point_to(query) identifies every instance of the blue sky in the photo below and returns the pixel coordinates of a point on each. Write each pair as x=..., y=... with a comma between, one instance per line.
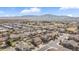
x=19, y=11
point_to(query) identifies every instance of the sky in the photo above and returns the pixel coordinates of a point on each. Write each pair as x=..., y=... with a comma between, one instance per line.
x=21, y=11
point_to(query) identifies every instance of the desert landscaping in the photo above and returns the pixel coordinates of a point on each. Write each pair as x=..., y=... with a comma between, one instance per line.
x=28, y=35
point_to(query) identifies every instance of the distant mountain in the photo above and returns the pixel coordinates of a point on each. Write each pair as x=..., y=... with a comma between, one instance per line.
x=49, y=17
x=46, y=17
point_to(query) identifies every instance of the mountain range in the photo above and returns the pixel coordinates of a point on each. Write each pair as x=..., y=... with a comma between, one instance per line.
x=46, y=17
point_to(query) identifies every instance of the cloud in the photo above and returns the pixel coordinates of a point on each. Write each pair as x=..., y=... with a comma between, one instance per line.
x=7, y=15
x=67, y=8
x=30, y=11
x=70, y=15
x=64, y=8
